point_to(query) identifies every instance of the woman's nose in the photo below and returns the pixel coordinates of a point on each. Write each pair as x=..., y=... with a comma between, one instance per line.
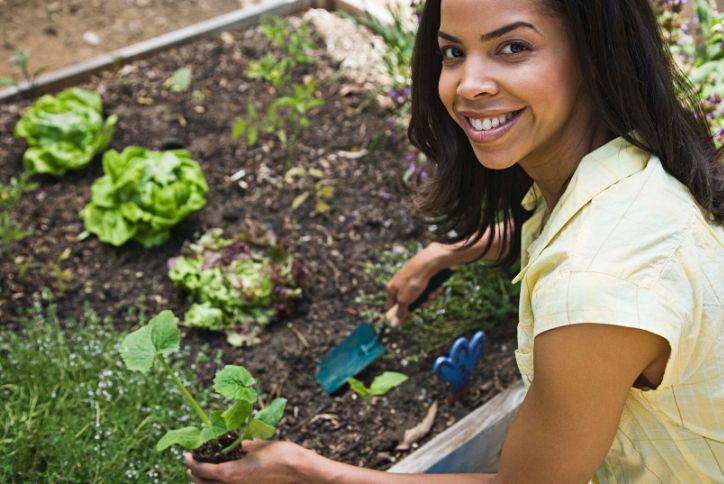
x=476, y=80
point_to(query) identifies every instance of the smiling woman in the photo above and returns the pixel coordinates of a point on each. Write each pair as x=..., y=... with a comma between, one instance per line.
x=563, y=136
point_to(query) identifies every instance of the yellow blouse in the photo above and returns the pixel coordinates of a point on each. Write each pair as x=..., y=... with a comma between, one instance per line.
x=627, y=245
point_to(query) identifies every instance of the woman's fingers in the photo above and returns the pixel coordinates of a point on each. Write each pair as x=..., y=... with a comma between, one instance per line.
x=202, y=472
x=198, y=480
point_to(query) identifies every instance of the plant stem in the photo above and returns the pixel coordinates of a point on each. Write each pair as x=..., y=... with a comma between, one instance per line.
x=233, y=445
x=197, y=408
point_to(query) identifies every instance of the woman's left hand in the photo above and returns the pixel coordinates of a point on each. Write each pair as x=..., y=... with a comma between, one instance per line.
x=265, y=461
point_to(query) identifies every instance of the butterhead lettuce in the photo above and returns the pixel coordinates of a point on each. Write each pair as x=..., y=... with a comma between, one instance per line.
x=143, y=194
x=64, y=132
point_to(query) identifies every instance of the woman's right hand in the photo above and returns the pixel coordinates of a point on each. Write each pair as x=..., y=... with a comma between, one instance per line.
x=411, y=280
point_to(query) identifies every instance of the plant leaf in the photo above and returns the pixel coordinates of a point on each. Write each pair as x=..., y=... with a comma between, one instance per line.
x=216, y=429
x=299, y=200
x=272, y=414
x=358, y=387
x=234, y=381
x=137, y=350
x=187, y=437
x=386, y=382
x=165, y=334
x=235, y=415
x=259, y=429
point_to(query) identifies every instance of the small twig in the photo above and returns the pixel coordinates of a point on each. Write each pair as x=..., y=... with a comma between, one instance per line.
x=298, y=334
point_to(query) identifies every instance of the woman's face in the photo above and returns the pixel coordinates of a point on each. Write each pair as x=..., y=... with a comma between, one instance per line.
x=509, y=79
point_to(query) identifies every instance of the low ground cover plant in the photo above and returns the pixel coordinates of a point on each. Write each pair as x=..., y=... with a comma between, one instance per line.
x=71, y=412
x=160, y=337
x=143, y=194
x=64, y=132
x=238, y=284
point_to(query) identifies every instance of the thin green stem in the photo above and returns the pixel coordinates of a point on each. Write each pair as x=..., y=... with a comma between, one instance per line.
x=234, y=444
x=197, y=408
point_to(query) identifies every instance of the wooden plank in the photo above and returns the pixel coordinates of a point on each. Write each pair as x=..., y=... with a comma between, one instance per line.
x=470, y=445
x=75, y=73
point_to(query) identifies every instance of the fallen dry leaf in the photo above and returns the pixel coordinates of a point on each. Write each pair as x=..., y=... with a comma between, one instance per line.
x=420, y=430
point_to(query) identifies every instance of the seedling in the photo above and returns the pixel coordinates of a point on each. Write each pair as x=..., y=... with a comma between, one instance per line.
x=380, y=386
x=322, y=190
x=160, y=337
x=179, y=81
x=10, y=194
x=287, y=115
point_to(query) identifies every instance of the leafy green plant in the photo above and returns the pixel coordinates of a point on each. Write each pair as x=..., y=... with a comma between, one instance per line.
x=160, y=337
x=237, y=285
x=71, y=412
x=64, y=132
x=380, y=386
x=10, y=194
x=475, y=297
x=21, y=60
x=143, y=194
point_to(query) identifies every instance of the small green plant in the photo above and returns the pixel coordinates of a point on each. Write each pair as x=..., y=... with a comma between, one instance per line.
x=238, y=285
x=21, y=60
x=321, y=189
x=143, y=194
x=64, y=132
x=160, y=337
x=380, y=386
x=287, y=115
x=10, y=194
x=180, y=80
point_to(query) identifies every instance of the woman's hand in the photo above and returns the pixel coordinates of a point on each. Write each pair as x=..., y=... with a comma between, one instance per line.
x=265, y=462
x=410, y=281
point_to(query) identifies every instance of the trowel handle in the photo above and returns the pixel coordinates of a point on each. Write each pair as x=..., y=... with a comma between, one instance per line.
x=435, y=281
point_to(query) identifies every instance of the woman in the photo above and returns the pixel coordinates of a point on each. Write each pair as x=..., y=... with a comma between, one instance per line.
x=570, y=109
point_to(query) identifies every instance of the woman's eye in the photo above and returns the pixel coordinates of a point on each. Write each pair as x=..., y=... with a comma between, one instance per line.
x=514, y=48
x=450, y=52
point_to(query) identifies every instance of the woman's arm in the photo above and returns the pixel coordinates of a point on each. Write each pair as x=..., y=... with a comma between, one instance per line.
x=565, y=426
x=410, y=281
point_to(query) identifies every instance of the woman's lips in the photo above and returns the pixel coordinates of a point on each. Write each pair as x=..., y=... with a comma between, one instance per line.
x=494, y=133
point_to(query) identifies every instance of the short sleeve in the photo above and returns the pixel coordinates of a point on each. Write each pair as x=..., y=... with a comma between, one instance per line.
x=590, y=297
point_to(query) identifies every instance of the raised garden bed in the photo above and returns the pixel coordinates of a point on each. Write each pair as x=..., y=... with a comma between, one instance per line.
x=370, y=213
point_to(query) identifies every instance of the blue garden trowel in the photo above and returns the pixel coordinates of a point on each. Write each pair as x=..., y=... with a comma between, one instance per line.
x=362, y=346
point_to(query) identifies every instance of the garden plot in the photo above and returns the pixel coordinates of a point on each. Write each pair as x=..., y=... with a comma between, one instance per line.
x=348, y=145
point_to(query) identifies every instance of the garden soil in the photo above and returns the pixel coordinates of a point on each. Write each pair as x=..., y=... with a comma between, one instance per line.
x=350, y=141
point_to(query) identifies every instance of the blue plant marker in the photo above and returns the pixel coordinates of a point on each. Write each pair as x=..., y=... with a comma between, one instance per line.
x=456, y=368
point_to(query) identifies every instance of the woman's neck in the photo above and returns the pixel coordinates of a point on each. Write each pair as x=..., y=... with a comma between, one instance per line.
x=554, y=170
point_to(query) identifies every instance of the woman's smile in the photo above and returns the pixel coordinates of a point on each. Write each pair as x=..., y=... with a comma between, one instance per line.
x=487, y=127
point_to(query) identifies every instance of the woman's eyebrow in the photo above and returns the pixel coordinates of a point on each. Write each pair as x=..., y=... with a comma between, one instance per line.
x=490, y=35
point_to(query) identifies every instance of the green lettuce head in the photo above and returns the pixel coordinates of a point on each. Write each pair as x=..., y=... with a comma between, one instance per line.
x=143, y=194
x=64, y=132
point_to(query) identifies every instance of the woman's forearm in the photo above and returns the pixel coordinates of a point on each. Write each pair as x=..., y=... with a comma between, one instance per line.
x=448, y=255
x=330, y=471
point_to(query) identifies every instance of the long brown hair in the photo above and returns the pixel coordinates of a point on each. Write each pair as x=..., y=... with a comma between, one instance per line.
x=635, y=86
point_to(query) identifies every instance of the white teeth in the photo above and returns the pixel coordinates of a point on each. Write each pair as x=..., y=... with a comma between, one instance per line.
x=490, y=123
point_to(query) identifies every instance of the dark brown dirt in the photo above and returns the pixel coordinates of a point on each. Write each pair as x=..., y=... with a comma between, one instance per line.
x=212, y=451
x=370, y=213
